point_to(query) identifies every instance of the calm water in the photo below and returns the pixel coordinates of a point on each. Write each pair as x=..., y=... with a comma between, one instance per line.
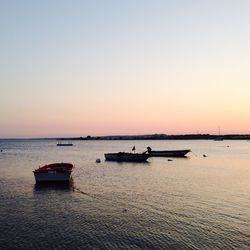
x=192, y=203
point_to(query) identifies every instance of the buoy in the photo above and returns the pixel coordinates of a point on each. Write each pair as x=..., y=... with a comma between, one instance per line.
x=204, y=156
x=98, y=160
x=170, y=160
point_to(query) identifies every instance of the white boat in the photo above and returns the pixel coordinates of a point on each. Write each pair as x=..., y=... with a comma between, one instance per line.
x=55, y=172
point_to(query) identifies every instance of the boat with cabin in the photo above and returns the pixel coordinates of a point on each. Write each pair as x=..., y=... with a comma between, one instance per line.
x=126, y=157
x=55, y=172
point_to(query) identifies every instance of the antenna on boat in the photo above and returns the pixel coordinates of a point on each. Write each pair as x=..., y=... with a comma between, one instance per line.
x=219, y=130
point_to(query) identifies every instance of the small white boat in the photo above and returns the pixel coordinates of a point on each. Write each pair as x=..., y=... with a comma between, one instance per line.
x=55, y=172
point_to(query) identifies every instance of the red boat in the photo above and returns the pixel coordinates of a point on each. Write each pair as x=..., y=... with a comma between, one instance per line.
x=54, y=172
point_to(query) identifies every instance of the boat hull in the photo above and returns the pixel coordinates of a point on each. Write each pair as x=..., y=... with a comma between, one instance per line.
x=169, y=153
x=55, y=172
x=64, y=144
x=52, y=177
x=126, y=157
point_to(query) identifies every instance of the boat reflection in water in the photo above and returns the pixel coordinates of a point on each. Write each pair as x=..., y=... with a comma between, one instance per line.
x=46, y=186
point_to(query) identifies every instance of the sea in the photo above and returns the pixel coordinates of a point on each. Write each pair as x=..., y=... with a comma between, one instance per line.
x=198, y=202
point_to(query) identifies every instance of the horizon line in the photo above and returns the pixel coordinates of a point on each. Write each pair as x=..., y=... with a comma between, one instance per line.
x=117, y=135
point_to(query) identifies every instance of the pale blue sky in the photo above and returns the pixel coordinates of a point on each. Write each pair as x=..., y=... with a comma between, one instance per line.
x=120, y=67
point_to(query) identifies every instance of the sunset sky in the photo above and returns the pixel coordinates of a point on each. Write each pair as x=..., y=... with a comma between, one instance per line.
x=77, y=68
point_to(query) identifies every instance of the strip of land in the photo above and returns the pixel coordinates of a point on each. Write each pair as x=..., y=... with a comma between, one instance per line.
x=146, y=137
x=164, y=137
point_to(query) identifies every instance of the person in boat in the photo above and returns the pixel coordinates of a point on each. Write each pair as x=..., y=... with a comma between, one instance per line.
x=149, y=150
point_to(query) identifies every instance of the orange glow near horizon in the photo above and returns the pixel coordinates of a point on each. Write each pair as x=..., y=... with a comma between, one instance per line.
x=178, y=73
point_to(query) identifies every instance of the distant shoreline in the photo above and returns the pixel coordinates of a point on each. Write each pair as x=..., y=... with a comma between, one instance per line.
x=145, y=137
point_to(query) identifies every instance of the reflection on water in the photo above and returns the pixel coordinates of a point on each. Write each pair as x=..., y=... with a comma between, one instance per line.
x=187, y=203
x=65, y=186
x=124, y=163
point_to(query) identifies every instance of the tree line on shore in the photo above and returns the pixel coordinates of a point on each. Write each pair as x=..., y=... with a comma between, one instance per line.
x=163, y=137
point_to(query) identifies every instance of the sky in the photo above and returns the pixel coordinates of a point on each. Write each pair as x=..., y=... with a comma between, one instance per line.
x=77, y=68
